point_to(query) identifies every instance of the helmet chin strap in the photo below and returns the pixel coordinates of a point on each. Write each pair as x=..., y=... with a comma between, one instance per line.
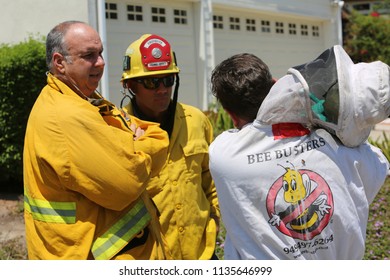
x=172, y=109
x=129, y=95
x=93, y=101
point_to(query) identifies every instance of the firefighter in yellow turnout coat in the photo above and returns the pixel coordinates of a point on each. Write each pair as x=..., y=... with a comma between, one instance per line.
x=85, y=176
x=183, y=191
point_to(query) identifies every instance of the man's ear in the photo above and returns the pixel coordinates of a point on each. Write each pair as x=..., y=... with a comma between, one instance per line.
x=131, y=84
x=58, y=62
x=127, y=83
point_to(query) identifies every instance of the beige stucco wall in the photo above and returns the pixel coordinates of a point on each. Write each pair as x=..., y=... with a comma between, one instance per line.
x=21, y=18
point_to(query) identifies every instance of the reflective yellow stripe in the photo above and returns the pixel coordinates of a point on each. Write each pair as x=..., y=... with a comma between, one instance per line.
x=114, y=239
x=51, y=212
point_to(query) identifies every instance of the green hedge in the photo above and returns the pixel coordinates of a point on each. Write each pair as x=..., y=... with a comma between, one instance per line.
x=367, y=38
x=219, y=119
x=22, y=76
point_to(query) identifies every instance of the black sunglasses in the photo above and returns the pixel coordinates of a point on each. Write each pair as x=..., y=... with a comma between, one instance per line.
x=153, y=83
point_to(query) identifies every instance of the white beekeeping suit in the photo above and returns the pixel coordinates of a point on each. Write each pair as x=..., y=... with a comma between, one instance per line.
x=332, y=92
x=297, y=182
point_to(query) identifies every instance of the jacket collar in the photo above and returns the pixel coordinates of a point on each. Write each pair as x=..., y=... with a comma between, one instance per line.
x=60, y=86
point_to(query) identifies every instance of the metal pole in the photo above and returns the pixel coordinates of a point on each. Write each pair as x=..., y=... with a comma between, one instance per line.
x=101, y=14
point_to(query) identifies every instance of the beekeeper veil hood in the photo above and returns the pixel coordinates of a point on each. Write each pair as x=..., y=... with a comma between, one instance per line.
x=331, y=92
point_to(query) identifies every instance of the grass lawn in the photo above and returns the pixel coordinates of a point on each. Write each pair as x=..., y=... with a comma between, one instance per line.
x=378, y=229
x=377, y=243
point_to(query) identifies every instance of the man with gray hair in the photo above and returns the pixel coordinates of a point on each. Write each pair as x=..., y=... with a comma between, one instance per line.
x=85, y=163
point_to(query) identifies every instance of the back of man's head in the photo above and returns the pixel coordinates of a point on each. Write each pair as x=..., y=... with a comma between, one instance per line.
x=240, y=83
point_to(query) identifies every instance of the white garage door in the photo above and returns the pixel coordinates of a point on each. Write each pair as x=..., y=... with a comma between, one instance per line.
x=128, y=20
x=279, y=41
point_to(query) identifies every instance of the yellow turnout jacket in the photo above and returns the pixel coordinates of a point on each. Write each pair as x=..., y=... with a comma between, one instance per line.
x=85, y=180
x=184, y=191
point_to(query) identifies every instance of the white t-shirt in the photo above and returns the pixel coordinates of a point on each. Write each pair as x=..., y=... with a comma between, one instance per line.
x=284, y=196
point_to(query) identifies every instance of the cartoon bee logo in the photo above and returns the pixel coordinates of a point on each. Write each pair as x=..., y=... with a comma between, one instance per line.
x=304, y=203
